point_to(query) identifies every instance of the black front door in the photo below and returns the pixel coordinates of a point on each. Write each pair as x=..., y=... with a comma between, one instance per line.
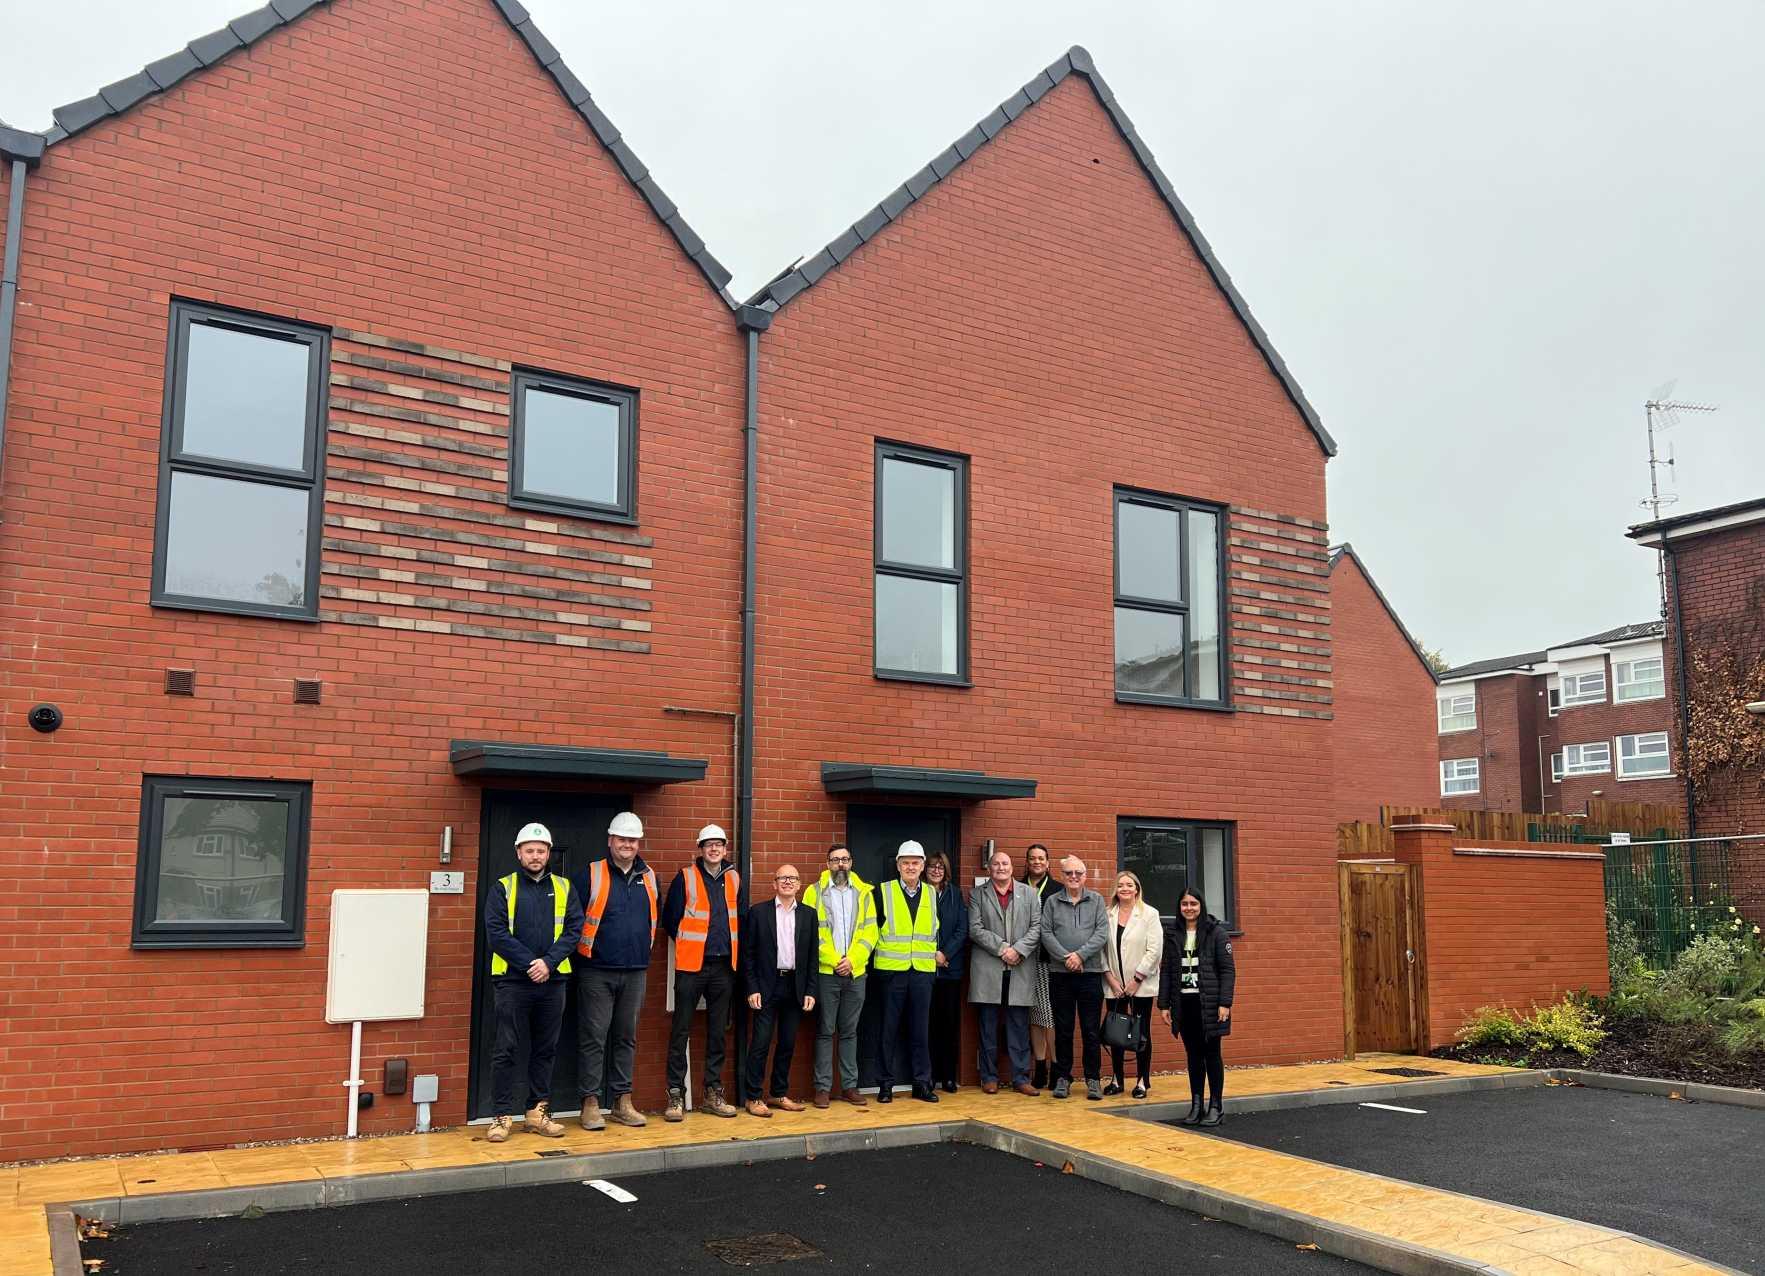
x=874, y=834
x=578, y=824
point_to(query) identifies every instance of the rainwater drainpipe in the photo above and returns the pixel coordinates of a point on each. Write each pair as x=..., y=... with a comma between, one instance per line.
x=24, y=150
x=752, y=321
x=1677, y=620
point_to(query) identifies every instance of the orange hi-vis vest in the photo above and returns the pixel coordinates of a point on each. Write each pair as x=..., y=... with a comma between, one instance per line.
x=695, y=921
x=599, y=888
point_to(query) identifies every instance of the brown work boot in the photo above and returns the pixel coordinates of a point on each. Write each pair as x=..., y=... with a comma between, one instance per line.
x=716, y=1104
x=855, y=1099
x=539, y=1121
x=822, y=1098
x=625, y=1112
x=676, y=1109
x=784, y=1103
x=499, y=1130
x=989, y=1087
x=1026, y=1089
x=758, y=1108
x=591, y=1118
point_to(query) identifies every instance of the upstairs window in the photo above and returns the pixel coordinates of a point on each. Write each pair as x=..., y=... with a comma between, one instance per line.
x=1643, y=756
x=1640, y=679
x=1459, y=776
x=921, y=565
x=1457, y=712
x=1555, y=701
x=573, y=447
x=1587, y=759
x=1584, y=688
x=240, y=464
x=1171, y=856
x=1169, y=585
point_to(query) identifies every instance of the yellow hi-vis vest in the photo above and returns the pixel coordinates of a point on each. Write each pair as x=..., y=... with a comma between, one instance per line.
x=907, y=940
x=863, y=924
x=560, y=900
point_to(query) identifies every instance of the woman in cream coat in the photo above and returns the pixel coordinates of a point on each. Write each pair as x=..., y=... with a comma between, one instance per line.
x=1132, y=955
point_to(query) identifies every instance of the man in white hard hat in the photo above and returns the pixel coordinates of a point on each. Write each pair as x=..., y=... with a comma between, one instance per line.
x=906, y=963
x=703, y=918
x=532, y=923
x=620, y=912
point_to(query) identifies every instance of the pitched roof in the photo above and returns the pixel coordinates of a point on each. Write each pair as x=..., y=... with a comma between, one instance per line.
x=242, y=32
x=1694, y=523
x=798, y=278
x=1607, y=637
x=1346, y=550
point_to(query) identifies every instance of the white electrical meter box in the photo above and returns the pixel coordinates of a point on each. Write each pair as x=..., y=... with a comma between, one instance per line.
x=378, y=956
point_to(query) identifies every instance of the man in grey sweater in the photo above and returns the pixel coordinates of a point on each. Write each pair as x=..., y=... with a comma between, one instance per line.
x=1075, y=927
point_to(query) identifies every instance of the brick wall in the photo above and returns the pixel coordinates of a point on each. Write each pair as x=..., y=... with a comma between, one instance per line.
x=1596, y=723
x=331, y=174
x=1041, y=312
x=1508, y=761
x=1517, y=927
x=1384, y=704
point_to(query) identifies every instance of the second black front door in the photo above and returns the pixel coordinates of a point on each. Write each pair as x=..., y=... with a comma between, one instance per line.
x=874, y=834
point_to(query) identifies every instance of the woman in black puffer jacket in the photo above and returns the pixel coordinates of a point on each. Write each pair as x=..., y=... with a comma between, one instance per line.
x=1195, y=984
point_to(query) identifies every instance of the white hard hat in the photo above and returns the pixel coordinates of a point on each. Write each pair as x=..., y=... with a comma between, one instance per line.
x=910, y=849
x=534, y=833
x=712, y=832
x=625, y=824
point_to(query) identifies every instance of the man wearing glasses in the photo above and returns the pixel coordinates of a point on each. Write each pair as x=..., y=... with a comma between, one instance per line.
x=1075, y=927
x=845, y=912
x=778, y=974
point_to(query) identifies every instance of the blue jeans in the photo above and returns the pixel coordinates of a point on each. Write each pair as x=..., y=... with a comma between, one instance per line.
x=1017, y=1041
x=908, y=1005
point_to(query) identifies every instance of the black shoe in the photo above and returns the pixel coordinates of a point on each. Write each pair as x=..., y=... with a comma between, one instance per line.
x=883, y=1095
x=1112, y=1087
x=1040, y=1079
x=1215, y=1115
x=950, y=1087
x=1196, y=1112
x=1140, y=1089
x=925, y=1094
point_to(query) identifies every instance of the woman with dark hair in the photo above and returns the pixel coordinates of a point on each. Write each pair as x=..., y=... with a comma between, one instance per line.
x=1044, y=883
x=946, y=1020
x=1196, y=979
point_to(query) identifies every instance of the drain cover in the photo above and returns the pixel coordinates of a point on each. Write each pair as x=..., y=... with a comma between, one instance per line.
x=757, y=1251
x=1407, y=1072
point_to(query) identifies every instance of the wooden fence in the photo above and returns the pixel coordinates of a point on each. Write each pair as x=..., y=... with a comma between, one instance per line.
x=1359, y=840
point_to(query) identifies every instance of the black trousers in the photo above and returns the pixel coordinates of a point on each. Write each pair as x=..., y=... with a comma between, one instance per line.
x=781, y=1013
x=907, y=1007
x=528, y=1016
x=1141, y=1009
x=715, y=981
x=1078, y=993
x=1203, y=1051
x=946, y=1029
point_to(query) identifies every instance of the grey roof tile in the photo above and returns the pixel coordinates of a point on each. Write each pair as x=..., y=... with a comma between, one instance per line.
x=543, y=49
x=574, y=89
x=513, y=10
x=684, y=233
x=870, y=223
x=598, y=122
x=17, y=143
x=817, y=266
x=660, y=203
x=1076, y=60
x=211, y=48
x=169, y=70
x=125, y=93
x=847, y=244
x=254, y=26
x=82, y=114
x=628, y=162
x=289, y=10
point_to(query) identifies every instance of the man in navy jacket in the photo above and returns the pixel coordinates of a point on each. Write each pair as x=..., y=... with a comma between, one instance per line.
x=779, y=971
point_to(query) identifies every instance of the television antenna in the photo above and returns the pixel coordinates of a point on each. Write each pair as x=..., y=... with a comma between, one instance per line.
x=1662, y=412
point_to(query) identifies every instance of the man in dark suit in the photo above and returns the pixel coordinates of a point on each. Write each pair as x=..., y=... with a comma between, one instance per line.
x=778, y=973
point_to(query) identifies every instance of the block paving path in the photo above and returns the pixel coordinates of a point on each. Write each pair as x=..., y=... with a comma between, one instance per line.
x=1502, y=1237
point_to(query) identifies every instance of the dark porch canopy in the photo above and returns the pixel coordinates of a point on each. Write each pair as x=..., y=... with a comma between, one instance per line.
x=854, y=779
x=484, y=760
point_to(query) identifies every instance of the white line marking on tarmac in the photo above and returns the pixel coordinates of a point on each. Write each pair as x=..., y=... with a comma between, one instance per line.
x=611, y=1189
x=1392, y=1107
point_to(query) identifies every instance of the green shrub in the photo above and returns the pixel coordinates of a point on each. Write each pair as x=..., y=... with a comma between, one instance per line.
x=1707, y=966
x=1623, y=948
x=1745, y=1034
x=1571, y=1024
x=1495, y=1026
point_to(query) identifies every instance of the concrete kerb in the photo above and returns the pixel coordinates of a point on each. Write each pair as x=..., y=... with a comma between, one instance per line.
x=1696, y=1091
x=64, y=1242
x=1380, y=1093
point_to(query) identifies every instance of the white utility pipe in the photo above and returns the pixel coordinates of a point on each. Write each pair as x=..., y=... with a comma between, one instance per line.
x=422, y=1118
x=354, y=1084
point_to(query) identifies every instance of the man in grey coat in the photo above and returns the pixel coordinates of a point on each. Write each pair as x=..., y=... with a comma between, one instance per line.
x=1075, y=927
x=1005, y=929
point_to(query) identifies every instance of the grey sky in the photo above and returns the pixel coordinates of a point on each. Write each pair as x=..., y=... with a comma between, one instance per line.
x=1480, y=234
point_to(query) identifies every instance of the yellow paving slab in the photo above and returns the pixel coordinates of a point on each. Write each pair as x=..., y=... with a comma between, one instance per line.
x=1518, y=1240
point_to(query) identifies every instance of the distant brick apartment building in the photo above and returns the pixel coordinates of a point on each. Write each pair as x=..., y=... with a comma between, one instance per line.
x=1384, y=698
x=375, y=451
x=1547, y=730
x=1715, y=653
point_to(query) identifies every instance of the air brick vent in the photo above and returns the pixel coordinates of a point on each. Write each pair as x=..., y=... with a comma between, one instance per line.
x=308, y=690
x=180, y=682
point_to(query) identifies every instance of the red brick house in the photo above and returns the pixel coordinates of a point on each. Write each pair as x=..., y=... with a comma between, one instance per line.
x=1382, y=698
x=1715, y=652
x=372, y=480
x=1547, y=730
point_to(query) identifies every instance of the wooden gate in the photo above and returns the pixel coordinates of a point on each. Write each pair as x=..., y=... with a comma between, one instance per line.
x=1384, y=970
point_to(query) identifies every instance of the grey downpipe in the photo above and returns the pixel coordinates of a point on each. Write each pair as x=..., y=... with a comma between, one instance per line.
x=1678, y=620
x=15, y=215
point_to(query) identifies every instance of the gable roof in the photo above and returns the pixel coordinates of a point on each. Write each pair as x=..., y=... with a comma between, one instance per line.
x=243, y=32
x=1346, y=550
x=799, y=278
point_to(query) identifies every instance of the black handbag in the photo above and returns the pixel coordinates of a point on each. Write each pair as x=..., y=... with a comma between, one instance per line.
x=1121, y=1031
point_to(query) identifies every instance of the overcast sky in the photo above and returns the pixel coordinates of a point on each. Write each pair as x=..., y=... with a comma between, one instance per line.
x=1480, y=234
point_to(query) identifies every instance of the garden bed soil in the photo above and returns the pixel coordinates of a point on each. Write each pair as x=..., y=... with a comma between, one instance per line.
x=1672, y=1052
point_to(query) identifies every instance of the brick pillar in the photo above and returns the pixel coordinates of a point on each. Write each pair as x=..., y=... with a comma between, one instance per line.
x=1423, y=844
x=1430, y=847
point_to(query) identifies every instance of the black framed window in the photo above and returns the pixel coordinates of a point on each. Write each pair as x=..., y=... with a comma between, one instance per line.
x=241, y=477
x=573, y=447
x=222, y=863
x=1169, y=600
x=921, y=593
x=1169, y=856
